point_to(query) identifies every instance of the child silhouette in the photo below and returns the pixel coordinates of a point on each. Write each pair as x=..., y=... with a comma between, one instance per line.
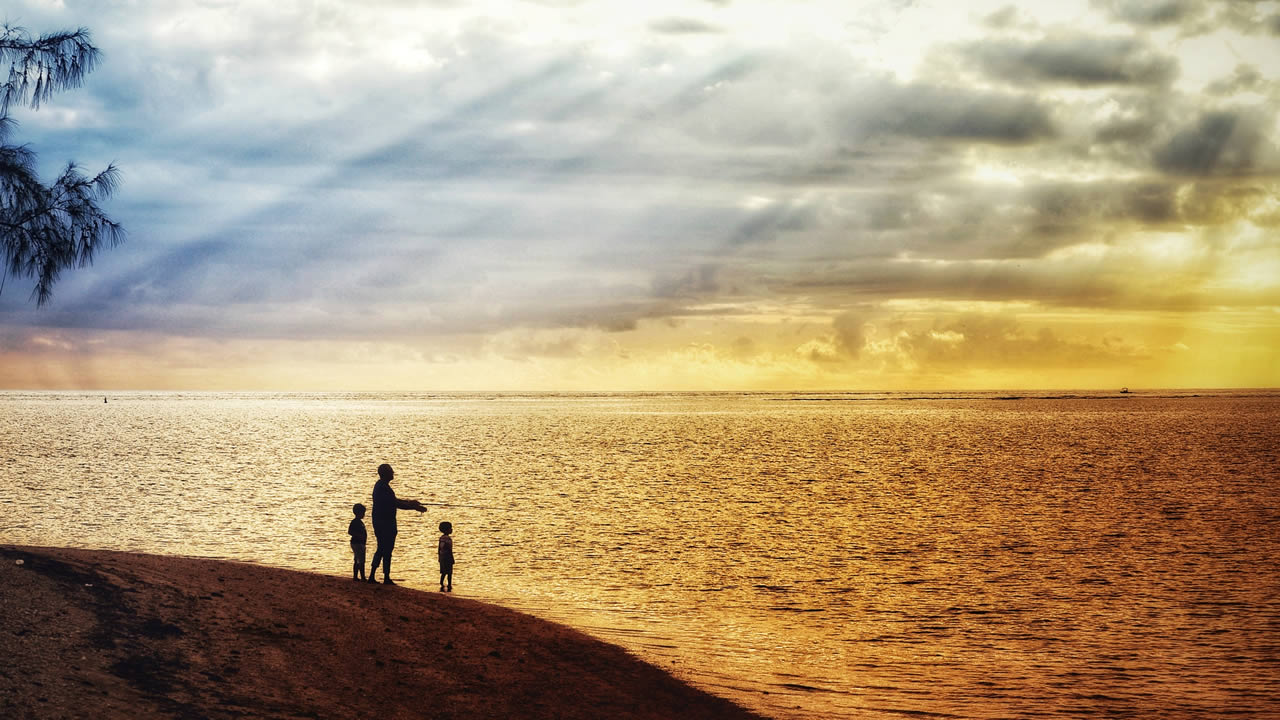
x=358, y=539
x=445, y=552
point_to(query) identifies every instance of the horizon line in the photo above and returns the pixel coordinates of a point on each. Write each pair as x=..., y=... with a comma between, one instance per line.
x=635, y=391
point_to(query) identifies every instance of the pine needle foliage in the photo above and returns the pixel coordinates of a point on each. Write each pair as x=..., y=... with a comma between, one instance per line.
x=45, y=229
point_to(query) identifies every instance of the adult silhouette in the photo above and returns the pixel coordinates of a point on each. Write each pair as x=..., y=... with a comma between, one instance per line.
x=385, y=504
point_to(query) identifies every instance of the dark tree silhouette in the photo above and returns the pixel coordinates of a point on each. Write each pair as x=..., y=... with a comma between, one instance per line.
x=45, y=229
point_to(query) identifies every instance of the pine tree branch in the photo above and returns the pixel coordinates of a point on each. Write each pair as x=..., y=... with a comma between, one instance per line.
x=47, y=229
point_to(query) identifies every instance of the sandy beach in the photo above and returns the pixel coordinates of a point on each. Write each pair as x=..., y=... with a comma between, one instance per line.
x=116, y=635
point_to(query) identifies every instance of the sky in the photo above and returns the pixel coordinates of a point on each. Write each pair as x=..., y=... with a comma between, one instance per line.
x=692, y=195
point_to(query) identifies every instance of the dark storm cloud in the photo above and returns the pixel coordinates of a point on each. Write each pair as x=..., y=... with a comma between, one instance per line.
x=1089, y=207
x=1153, y=13
x=1222, y=143
x=931, y=112
x=1196, y=17
x=1022, y=222
x=1081, y=60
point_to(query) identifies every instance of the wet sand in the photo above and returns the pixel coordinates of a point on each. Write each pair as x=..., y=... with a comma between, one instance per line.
x=121, y=635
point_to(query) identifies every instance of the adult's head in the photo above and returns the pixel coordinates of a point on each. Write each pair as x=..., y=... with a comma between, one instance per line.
x=385, y=473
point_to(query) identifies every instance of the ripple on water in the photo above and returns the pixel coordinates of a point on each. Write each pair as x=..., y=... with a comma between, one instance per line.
x=872, y=555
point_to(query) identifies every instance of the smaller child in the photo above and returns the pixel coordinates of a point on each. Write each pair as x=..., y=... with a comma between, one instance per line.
x=446, y=556
x=358, y=539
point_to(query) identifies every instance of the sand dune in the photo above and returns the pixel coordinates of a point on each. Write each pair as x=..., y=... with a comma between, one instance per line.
x=120, y=635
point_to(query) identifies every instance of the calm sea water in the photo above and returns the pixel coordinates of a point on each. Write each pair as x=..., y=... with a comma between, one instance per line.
x=810, y=556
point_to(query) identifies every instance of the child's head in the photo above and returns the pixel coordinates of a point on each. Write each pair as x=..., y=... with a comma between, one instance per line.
x=446, y=527
x=358, y=509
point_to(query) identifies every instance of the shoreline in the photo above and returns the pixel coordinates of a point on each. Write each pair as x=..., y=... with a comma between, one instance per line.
x=135, y=635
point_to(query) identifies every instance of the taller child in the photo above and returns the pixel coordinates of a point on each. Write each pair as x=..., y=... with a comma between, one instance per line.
x=385, y=504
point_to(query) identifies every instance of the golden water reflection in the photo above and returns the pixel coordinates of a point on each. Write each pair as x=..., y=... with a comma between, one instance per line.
x=839, y=556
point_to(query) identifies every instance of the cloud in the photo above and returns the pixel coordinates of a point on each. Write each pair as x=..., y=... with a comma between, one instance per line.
x=1196, y=17
x=1246, y=16
x=1081, y=60
x=1003, y=19
x=743, y=348
x=1161, y=273
x=554, y=182
x=526, y=345
x=1246, y=78
x=1153, y=14
x=1135, y=121
x=1211, y=203
x=1222, y=142
x=850, y=333
x=932, y=112
x=999, y=342
x=682, y=26
x=960, y=222
x=696, y=282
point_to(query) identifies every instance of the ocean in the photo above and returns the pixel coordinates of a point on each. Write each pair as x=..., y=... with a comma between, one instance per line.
x=808, y=555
